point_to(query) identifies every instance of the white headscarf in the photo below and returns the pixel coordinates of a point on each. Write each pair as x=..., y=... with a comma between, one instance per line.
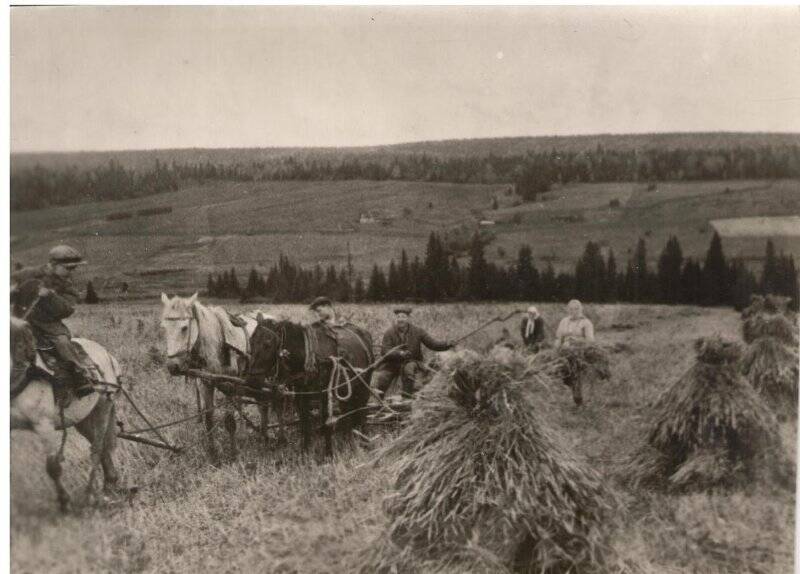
x=533, y=312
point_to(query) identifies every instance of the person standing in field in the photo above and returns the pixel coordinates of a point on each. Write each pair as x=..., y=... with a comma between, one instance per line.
x=406, y=362
x=46, y=294
x=532, y=330
x=575, y=326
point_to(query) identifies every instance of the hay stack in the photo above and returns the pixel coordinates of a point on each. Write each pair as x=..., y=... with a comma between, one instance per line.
x=481, y=475
x=710, y=428
x=576, y=364
x=770, y=304
x=769, y=325
x=772, y=369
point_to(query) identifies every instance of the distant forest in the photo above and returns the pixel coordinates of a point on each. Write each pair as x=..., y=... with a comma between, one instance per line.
x=534, y=172
x=438, y=277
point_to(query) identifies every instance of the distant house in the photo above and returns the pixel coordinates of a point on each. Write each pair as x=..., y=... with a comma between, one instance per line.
x=375, y=216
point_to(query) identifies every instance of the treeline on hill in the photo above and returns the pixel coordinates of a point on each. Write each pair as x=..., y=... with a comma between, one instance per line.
x=532, y=173
x=597, y=279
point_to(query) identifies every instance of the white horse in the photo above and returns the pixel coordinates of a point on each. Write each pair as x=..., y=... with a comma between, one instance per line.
x=201, y=337
x=35, y=409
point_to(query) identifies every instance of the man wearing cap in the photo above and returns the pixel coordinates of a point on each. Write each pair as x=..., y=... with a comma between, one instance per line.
x=322, y=307
x=405, y=362
x=532, y=329
x=47, y=295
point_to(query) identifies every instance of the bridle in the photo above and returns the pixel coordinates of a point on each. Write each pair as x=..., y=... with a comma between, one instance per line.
x=281, y=358
x=191, y=347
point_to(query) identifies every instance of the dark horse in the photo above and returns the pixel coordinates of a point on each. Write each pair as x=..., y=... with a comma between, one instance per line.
x=319, y=365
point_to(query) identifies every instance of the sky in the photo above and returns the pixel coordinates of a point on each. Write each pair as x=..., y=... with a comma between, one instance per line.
x=95, y=78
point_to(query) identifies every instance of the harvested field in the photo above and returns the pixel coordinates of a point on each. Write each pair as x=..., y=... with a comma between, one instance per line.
x=289, y=515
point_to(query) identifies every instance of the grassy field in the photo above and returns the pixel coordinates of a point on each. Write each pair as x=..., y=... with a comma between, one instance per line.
x=272, y=512
x=215, y=227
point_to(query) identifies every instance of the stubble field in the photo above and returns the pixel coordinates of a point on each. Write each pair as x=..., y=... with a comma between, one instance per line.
x=272, y=511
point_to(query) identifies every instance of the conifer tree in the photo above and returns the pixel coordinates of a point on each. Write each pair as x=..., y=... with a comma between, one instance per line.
x=91, y=295
x=670, y=263
x=477, y=275
x=770, y=278
x=610, y=291
x=716, y=283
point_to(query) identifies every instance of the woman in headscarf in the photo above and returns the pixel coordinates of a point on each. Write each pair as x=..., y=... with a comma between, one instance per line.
x=575, y=326
x=532, y=329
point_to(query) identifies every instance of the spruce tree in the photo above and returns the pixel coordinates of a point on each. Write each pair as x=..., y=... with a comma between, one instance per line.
x=716, y=283
x=359, y=292
x=610, y=290
x=235, y=290
x=91, y=295
x=477, y=274
x=670, y=264
x=253, y=283
x=404, y=281
x=376, y=291
x=590, y=274
x=526, y=279
x=393, y=283
x=691, y=282
x=640, y=276
x=549, y=286
x=744, y=284
x=770, y=278
x=211, y=286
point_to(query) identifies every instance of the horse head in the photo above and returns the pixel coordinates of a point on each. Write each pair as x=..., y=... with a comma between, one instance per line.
x=181, y=326
x=265, y=350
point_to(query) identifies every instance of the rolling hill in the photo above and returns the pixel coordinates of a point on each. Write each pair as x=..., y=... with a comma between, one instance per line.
x=445, y=148
x=218, y=226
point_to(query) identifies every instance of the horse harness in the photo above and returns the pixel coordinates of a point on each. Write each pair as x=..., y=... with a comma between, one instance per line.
x=195, y=360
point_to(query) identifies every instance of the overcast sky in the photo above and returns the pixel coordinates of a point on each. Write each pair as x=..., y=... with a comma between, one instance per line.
x=96, y=78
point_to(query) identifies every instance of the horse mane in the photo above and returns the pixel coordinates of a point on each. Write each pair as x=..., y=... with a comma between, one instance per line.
x=210, y=339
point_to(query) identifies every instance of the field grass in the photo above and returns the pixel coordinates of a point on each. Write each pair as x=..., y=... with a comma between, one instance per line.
x=273, y=512
x=215, y=227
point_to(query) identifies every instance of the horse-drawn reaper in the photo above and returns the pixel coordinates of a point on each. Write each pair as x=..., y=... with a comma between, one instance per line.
x=323, y=364
x=209, y=340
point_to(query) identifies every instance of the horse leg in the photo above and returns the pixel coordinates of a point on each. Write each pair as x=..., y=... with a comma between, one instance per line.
x=230, y=426
x=304, y=412
x=327, y=431
x=280, y=408
x=52, y=440
x=98, y=421
x=263, y=410
x=110, y=474
x=99, y=428
x=208, y=418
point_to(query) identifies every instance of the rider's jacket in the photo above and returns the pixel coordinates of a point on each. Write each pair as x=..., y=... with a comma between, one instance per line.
x=47, y=316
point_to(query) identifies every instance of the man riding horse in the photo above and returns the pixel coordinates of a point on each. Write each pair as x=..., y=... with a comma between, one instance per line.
x=45, y=296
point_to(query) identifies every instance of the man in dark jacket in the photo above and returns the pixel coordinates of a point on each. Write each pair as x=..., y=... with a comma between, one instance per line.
x=46, y=294
x=532, y=330
x=405, y=362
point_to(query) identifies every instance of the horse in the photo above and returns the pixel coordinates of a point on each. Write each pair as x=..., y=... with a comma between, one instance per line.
x=204, y=337
x=34, y=408
x=314, y=362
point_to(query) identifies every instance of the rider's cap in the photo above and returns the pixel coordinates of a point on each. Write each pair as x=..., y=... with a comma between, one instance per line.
x=320, y=302
x=66, y=255
x=402, y=309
